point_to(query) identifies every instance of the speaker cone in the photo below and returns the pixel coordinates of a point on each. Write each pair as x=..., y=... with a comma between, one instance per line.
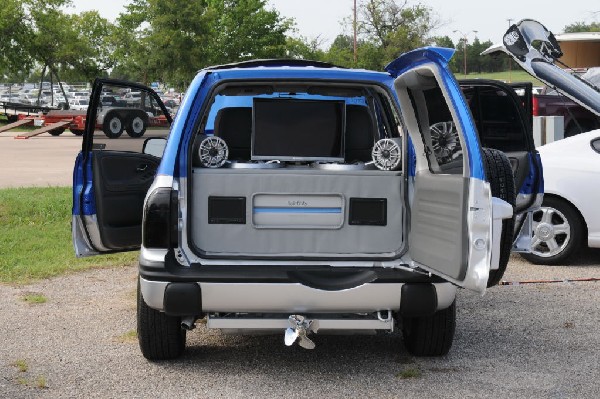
x=212, y=151
x=387, y=153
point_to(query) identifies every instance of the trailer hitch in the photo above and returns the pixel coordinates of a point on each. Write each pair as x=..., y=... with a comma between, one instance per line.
x=299, y=328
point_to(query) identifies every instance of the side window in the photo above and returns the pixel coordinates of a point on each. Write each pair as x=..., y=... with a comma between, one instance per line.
x=497, y=118
x=126, y=117
x=439, y=132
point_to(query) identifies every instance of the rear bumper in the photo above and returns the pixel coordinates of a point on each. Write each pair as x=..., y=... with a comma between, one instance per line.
x=193, y=290
x=421, y=298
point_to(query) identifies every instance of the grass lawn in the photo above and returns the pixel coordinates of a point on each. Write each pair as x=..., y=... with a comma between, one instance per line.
x=35, y=236
x=506, y=76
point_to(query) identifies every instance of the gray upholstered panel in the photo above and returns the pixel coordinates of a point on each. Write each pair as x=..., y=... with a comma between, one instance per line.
x=335, y=241
x=438, y=235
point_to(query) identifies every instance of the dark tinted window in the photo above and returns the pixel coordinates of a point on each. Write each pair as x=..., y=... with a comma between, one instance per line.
x=439, y=131
x=497, y=118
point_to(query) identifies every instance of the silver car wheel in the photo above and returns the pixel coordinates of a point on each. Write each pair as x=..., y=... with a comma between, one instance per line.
x=551, y=232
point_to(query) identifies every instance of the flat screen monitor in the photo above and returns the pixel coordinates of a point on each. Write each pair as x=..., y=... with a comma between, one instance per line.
x=298, y=130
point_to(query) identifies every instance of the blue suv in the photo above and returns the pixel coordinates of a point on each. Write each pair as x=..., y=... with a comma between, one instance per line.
x=298, y=197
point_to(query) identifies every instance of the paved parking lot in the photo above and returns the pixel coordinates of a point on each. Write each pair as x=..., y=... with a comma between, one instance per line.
x=539, y=339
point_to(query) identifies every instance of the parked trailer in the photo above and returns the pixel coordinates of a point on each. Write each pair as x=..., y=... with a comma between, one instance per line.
x=114, y=120
x=111, y=120
x=12, y=110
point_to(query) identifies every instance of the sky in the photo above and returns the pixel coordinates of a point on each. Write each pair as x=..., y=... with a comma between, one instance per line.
x=322, y=19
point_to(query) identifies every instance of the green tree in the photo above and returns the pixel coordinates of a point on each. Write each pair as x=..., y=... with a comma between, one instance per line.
x=171, y=40
x=13, y=33
x=582, y=27
x=40, y=34
x=396, y=26
x=445, y=41
x=386, y=29
x=302, y=48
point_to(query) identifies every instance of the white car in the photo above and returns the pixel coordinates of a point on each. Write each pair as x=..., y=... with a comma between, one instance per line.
x=79, y=104
x=569, y=217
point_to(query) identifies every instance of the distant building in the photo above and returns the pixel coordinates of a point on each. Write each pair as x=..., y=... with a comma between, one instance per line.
x=581, y=50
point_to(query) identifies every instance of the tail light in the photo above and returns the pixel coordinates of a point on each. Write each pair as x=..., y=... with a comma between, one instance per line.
x=159, y=228
x=535, y=106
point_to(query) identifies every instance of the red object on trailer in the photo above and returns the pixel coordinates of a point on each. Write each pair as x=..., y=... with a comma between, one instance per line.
x=56, y=121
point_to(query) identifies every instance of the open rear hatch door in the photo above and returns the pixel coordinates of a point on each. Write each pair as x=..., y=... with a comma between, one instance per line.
x=537, y=51
x=451, y=207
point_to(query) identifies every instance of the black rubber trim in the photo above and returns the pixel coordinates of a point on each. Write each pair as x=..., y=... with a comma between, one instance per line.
x=183, y=299
x=418, y=300
x=333, y=280
x=318, y=276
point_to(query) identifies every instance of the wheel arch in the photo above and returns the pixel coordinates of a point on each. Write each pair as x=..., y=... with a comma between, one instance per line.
x=575, y=208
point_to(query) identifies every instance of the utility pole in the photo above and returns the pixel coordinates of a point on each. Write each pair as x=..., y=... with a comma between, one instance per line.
x=509, y=58
x=464, y=36
x=354, y=25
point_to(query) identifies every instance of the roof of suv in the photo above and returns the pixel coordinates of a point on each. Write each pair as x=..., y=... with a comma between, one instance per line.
x=294, y=69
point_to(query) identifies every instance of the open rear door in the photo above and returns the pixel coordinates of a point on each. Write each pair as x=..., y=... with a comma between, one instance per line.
x=112, y=173
x=450, y=201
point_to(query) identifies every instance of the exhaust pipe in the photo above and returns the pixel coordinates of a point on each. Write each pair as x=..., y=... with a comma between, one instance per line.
x=188, y=323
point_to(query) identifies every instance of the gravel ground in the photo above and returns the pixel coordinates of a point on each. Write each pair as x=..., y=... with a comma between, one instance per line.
x=527, y=340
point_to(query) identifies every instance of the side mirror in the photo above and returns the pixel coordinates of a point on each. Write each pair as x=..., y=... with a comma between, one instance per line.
x=154, y=146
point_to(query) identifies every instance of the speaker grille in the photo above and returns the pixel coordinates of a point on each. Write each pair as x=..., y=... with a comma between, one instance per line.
x=387, y=154
x=368, y=211
x=212, y=152
x=226, y=210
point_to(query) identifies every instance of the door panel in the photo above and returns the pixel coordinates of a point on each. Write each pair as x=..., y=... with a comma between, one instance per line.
x=121, y=180
x=112, y=174
x=438, y=232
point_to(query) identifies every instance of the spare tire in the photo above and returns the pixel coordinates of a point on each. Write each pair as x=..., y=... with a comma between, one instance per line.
x=499, y=174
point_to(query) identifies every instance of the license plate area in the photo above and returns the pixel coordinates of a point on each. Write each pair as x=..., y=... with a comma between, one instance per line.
x=298, y=211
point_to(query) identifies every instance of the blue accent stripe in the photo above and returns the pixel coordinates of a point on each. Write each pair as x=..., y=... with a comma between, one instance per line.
x=262, y=209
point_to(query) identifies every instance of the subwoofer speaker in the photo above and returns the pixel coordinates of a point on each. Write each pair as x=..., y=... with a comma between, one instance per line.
x=387, y=154
x=211, y=151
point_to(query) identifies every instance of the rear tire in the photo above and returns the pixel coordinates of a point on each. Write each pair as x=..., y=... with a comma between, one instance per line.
x=57, y=132
x=112, y=126
x=136, y=125
x=430, y=335
x=77, y=132
x=160, y=336
x=502, y=182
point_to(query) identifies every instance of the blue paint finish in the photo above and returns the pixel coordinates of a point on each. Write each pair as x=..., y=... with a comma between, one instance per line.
x=88, y=207
x=260, y=209
x=406, y=61
x=185, y=119
x=528, y=186
x=77, y=184
x=174, y=162
x=468, y=127
x=412, y=158
x=440, y=58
